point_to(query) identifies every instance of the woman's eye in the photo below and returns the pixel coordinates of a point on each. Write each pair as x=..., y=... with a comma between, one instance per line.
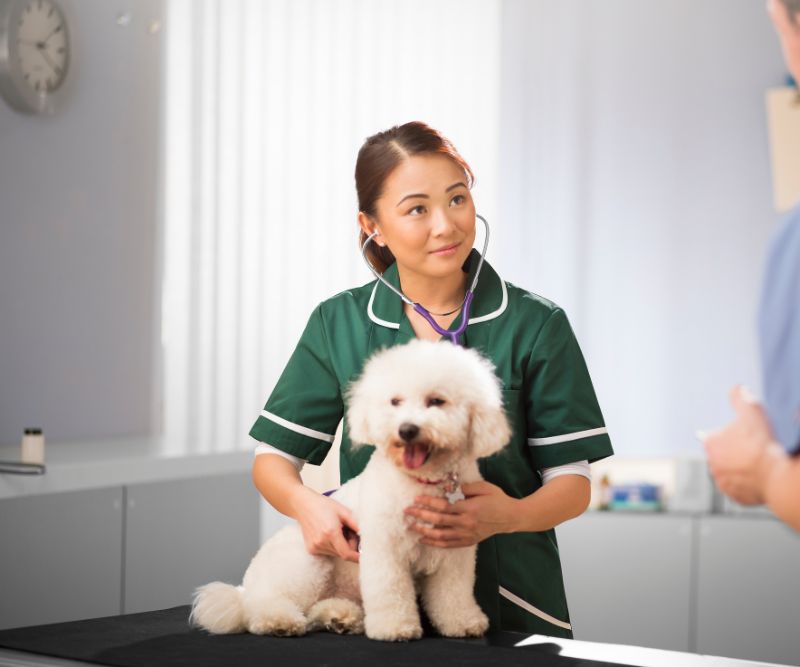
x=435, y=402
x=417, y=210
x=396, y=401
x=458, y=200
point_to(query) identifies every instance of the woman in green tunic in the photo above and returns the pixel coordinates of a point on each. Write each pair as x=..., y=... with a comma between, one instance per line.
x=414, y=189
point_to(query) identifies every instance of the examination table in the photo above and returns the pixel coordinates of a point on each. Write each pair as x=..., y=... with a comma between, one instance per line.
x=163, y=638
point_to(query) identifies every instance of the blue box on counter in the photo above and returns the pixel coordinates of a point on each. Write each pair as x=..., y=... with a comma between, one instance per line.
x=638, y=496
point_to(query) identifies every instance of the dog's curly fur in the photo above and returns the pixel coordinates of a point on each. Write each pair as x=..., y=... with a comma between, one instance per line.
x=446, y=402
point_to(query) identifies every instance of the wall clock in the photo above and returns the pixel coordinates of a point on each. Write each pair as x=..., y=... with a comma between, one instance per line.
x=34, y=54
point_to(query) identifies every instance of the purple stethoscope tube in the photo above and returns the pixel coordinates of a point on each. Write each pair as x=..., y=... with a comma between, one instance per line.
x=453, y=336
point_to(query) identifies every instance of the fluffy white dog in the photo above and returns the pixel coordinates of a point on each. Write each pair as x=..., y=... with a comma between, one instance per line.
x=431, y=410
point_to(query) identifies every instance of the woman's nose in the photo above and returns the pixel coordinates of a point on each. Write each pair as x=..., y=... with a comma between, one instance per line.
x=442, y=224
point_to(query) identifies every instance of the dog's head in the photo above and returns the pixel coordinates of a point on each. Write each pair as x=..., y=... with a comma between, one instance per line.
x=425, y=405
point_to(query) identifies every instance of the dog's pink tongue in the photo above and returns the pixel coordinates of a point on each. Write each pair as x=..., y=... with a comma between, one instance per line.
x=414, y=455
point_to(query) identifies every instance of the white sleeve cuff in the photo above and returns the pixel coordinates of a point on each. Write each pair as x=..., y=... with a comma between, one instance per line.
x=264, y=448
x=578, y=468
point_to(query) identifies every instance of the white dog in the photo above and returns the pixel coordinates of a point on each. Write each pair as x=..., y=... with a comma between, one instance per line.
x=431, y=410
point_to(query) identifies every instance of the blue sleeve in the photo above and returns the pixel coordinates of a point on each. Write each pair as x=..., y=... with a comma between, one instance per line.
x=779, y=332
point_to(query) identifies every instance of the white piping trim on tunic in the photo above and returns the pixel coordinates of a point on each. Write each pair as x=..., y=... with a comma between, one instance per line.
x=297, y=428
x=373, y=316
x=496, y=313
x=508, y=595
x=568, y=437
x=473, y=320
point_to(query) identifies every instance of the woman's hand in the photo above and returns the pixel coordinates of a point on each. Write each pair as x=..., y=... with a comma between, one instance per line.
x=742, y=454
x=485, y=511
x=324, y=522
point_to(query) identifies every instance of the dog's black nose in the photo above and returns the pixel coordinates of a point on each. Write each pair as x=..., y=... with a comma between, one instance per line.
x=408, y=431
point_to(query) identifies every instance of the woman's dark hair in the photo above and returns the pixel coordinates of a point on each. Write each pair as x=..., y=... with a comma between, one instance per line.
x=379, y=156
x=793, y=9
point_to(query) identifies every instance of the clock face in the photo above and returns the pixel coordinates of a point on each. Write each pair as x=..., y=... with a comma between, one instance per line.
x=42, y=45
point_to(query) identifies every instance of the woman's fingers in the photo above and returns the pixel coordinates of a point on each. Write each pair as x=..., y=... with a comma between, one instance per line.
x=437, y=504
x=342, y=548
x=435, y=518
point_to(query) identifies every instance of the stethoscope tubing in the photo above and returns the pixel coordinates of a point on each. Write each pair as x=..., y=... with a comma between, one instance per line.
x=453, y=336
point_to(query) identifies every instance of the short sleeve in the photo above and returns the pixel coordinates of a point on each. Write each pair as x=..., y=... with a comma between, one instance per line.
x=305, y=408
x=563, y=417
x=779, y=332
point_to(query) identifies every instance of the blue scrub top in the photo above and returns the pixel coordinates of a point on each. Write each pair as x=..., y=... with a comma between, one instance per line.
x=779, y=332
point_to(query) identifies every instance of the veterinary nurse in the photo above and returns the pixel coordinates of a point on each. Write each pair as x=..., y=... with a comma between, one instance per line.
x=414, y=189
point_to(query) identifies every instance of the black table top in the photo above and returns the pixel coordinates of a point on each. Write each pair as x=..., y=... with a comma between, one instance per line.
x=162, y=638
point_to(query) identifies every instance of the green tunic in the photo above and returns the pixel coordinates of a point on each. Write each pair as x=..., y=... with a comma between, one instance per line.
x=547, y=394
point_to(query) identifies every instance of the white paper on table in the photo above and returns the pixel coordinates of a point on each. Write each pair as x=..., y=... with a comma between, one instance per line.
x=636, y=655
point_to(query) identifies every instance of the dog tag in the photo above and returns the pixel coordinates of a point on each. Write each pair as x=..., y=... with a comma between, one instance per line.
x=454, y=496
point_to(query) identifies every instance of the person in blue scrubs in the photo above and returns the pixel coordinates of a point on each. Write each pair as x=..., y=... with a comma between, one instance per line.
x=756, y=458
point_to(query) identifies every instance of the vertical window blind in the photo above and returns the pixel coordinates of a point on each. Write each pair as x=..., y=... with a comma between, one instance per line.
x=266, y=105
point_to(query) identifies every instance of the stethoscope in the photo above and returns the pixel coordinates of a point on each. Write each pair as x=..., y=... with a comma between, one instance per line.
x=453, y=336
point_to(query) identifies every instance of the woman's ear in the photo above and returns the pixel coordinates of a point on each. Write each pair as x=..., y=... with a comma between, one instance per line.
x=369, y=226
x=489, y=430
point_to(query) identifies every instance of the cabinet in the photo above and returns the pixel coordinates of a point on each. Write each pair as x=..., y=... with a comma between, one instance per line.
x=185, y=534
x=99, y=552
x=60, y=557
x=628, y=578
x=748, y=593
x=715, y=585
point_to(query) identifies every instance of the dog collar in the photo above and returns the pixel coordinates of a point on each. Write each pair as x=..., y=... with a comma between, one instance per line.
x=450, y=485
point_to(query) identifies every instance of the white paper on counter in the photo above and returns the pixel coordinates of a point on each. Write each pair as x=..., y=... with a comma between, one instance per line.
x=636, y=655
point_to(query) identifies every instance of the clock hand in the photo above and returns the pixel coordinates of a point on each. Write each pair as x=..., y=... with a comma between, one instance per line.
x=53, y=32
x=47, y=58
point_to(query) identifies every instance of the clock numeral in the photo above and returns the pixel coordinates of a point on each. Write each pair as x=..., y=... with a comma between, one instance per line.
x=50, y=13
x=61, y=49
x=36, y=86
x=58, y=29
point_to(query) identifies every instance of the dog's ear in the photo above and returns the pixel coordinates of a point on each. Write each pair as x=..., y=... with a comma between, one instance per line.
x=358, y=415
x=489, y=429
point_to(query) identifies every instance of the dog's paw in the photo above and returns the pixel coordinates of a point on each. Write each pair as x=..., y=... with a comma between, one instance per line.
x=337, y=615
x=393, y=630
x=473, y=625
x=281, y=621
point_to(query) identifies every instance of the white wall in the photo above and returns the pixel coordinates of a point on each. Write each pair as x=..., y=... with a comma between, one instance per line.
x=78, y=258
x=637, y=195
x=633, y=189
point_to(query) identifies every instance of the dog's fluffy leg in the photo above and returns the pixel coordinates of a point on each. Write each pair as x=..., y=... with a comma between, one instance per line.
x=282, y=583
x=448, y=597
x=217, y=607
x=390, y=601
x=337, y=615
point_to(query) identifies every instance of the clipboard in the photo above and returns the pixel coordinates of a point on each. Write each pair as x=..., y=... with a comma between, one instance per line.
x=783, y=116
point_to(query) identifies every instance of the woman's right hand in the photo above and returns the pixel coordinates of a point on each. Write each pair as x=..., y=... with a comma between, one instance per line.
x=323, y=521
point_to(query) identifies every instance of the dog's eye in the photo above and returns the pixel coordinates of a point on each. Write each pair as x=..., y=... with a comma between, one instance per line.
x=435, y=402
x=396, y=401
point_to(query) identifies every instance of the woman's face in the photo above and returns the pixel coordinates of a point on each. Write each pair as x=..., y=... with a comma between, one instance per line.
x=788, y=30
x=426, y=216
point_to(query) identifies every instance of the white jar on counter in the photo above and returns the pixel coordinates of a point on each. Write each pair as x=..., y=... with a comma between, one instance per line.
x=32, y=446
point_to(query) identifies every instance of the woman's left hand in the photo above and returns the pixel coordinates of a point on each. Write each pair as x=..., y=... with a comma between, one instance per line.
x=485, y=511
